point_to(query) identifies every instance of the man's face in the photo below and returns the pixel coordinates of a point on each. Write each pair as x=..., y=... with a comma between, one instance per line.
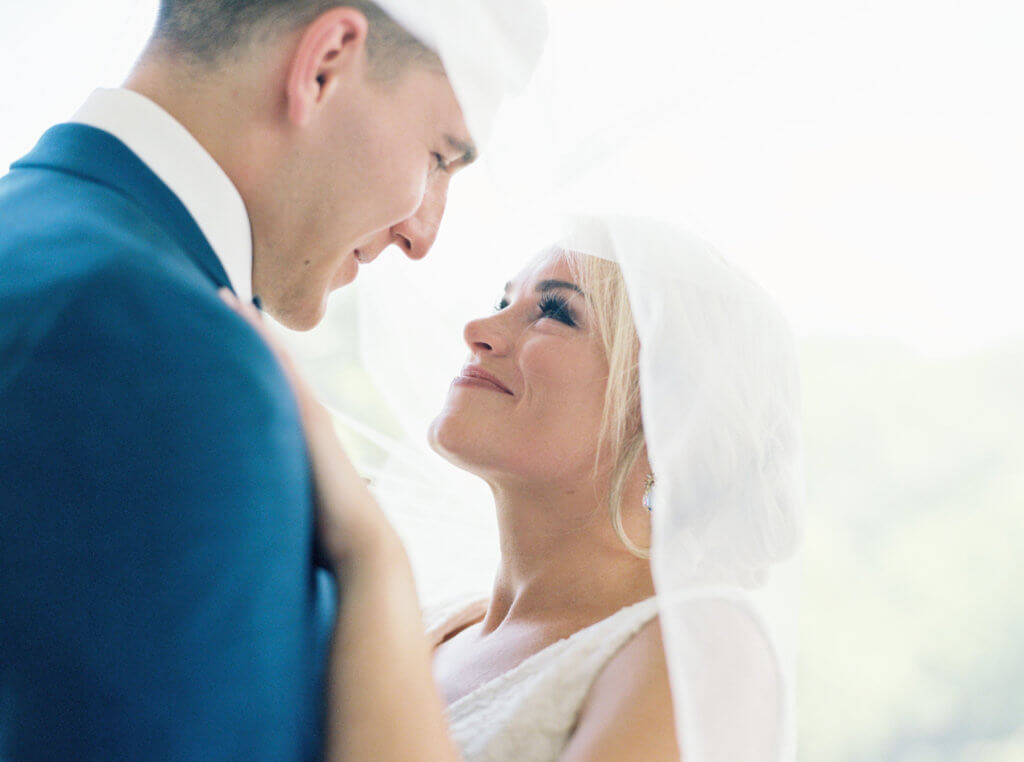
x=371, y=172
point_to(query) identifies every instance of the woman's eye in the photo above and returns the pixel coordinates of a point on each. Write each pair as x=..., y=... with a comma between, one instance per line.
x=557, y=309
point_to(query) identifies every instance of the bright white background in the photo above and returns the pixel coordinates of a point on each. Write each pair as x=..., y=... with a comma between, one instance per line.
x=863, y=159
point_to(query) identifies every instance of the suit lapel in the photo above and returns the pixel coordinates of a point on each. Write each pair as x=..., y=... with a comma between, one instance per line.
x=96, y=155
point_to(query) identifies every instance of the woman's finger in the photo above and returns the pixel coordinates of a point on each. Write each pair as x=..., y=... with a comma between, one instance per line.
x=255, y=319
x=346, y=509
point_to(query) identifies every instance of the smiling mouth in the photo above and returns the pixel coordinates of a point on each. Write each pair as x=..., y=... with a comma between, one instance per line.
x=482, y=379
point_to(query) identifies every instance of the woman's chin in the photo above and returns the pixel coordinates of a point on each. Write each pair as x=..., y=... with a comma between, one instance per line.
x=444, y=441
x=432, y=437
x=454, y=446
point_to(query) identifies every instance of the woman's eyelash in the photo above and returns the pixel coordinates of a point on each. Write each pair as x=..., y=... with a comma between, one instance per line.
x=550, y=307
x=557, y=308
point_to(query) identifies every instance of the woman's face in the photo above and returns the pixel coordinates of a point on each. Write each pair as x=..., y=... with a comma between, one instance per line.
x=528, y=402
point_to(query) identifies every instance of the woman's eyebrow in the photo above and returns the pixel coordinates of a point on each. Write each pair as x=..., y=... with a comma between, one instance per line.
x=551, y=285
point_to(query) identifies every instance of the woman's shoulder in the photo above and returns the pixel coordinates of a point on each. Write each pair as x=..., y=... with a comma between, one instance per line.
x=445, y=618
x=627, y=713
x=731, y=670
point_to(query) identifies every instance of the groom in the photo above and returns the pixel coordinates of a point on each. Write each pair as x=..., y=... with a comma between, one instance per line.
x=159, y=598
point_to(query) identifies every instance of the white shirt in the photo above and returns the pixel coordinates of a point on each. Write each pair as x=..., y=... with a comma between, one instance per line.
x=177, y=158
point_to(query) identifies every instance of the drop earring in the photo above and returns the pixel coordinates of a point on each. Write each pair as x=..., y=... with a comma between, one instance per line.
x=649, y=492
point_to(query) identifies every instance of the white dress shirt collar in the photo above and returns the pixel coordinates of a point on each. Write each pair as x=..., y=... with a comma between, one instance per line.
x=177, y=158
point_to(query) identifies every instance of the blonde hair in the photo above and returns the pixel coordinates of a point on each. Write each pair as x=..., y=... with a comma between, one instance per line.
x=622, y=429
x=728, y=391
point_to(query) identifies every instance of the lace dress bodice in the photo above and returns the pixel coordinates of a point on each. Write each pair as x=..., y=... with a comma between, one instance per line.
x=527, y=714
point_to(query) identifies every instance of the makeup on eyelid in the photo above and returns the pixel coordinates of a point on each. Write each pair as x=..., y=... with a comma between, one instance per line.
x=550, y=305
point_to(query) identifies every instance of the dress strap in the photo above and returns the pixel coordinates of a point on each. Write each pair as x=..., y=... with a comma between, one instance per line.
x=446, y=619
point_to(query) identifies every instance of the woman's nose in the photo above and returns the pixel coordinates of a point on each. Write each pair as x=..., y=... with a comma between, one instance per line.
x=486, y=336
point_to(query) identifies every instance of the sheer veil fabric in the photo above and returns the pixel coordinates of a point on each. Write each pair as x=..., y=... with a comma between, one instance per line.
x=845, y=154
x=489, y=48
x=721, y=417
x=721, y=414
x=718, y=367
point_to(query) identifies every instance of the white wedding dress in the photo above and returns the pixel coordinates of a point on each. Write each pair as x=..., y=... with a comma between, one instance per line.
x=528, y=713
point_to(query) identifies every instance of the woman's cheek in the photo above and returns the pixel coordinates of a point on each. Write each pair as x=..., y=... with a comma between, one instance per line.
x=548, y=369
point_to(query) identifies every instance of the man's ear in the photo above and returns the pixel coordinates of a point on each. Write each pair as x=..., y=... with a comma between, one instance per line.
x=332, y=47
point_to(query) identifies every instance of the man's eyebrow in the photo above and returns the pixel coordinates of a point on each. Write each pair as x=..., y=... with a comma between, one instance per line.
x=469, y=152
x=551, y=285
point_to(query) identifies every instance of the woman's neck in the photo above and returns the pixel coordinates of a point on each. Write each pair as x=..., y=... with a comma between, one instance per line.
x=561, y=562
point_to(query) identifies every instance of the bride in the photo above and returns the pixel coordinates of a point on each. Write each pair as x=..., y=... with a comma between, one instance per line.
x=632, y=390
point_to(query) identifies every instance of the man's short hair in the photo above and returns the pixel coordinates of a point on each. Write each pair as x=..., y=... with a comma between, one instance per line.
x=209, y=31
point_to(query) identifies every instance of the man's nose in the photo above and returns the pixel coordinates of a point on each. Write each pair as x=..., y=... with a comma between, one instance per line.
x=416, y=234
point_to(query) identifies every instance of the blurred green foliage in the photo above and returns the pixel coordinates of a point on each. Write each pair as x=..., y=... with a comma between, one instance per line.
x=912, y=621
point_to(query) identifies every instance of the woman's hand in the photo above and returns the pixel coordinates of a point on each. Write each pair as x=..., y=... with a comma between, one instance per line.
x=379, y=665
x=349, y=521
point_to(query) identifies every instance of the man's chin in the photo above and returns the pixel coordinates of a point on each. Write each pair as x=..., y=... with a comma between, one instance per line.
x=298, y=314
x=304, y=310
x=301, y=320
x=343, y=279
x=346, y=273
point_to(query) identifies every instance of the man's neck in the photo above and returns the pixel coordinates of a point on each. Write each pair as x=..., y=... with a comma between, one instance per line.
x=214, y=112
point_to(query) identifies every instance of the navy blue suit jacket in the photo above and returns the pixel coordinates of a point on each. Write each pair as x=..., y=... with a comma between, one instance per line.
x=159, y=598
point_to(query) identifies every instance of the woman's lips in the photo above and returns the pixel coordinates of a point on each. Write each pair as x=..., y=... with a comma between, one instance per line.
x=474, y=376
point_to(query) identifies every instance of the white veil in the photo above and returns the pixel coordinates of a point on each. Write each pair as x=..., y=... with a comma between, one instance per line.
x=489, y=48
x=718, y=380
x=719, y=390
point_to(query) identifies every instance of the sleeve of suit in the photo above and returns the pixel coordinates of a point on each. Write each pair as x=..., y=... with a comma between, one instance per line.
x=156, y=546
